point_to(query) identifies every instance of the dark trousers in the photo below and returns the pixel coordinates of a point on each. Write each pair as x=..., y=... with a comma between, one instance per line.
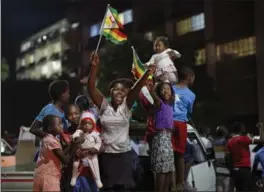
x=242, y=179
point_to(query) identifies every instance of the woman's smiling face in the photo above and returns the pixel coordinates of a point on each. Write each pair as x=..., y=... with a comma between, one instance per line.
x=118, y=93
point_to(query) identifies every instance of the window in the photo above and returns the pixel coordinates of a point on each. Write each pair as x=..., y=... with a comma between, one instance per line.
x=126, y=17
x=200, y=57
x=56, y=48
x=25, y=46
x=238, y=48
x=194, y=23
x=95, y=30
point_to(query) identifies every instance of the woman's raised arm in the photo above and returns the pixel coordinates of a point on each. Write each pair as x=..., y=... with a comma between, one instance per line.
x=133, y=93
x=95, y=94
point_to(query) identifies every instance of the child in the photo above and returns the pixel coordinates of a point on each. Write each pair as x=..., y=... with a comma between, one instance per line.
x=59, y=94
x=48, y=170
x=92, y=143
x=183, y=104
x=162, y=159
x=166, y=71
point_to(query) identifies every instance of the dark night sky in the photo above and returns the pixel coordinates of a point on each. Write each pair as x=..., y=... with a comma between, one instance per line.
x=23, y=18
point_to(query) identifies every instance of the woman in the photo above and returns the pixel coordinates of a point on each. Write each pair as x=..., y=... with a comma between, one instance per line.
x=116, y=160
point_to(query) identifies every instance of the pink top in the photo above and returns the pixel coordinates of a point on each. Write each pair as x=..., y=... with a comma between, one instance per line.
x=48, y=163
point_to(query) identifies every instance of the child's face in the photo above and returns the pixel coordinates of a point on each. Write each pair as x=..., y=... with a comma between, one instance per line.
x=159, y=46
x=74, y=114
x=56, y=126
x=87, y=125
x=166, y=92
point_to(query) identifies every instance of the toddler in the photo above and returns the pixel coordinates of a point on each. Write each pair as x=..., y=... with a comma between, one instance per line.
x=163, y=60
x=92, y=143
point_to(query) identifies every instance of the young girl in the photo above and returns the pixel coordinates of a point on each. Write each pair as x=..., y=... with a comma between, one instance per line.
x=92, y=143
x=163, y=60
x=162, y=157
x=48, y=170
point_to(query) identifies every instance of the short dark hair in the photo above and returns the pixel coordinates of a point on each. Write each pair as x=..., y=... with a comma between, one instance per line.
x=158, y=90
x=47, y=122
x=127, y=83
x=237, y=127
x=69, y=106
x=164, y=40
x=82, y=102
x=185, y=72
x=57, y=88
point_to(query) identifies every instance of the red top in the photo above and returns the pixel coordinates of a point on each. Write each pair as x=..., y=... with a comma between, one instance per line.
x=238, y=146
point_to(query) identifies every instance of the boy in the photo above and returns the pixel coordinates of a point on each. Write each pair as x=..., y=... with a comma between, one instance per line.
x=59, y=94
x=183, y=105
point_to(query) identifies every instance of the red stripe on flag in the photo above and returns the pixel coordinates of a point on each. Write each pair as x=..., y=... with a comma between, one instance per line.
x=119, y=33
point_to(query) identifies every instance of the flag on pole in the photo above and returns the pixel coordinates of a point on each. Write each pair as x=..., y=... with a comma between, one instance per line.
x=111, y=27
x=138, y=68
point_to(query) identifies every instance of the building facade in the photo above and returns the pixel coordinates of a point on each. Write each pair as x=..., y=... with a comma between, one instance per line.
x=44, y=54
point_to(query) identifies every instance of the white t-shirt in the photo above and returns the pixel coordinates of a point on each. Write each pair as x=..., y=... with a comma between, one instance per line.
x=115, y=127
x=163, y=62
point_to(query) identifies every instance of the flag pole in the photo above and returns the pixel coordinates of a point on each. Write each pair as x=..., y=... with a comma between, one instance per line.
x=100, y=38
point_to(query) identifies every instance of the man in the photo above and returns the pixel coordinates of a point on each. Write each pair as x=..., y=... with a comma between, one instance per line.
x=239, y=153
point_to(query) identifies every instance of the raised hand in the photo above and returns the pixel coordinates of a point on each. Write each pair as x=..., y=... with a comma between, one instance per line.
x=94, y=59
x=152, y=69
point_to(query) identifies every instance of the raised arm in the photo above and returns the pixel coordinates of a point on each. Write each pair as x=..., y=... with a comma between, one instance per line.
x=259, y=141
x=95, y=94
x=155, y=96
x=134, y=91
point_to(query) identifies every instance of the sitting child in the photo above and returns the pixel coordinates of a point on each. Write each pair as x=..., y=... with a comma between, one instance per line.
x=163, y=60
x=92, y=143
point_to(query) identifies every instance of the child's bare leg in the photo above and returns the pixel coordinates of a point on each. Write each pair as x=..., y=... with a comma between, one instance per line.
x=75, y=172
x=93, y=162
x=160, y=179
x=180, y=172
x=167, y=182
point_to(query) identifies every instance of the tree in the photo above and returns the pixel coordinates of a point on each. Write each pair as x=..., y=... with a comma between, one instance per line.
x=4, y=69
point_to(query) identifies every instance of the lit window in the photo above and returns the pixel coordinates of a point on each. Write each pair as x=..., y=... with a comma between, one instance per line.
x=239, y=48
x=200, y=57
x=190, y=24
x=23, y=62
x=57, y=47
x=149, y=36
x=218, y=52
x=75, y=25
x=25, y=46
x=31, y=59
x=95, y=30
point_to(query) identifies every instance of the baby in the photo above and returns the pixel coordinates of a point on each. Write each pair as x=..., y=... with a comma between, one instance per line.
x=92, y=142
x=163, y=59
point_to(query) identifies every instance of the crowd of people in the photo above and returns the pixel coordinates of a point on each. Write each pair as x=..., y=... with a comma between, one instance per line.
x=88, y=148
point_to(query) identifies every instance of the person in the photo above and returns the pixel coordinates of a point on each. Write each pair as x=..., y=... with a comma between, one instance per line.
x=59, y=94
x=48, y=169
x=238, y=149
x=116, y=160
x=72, y=114
x=163, y=59
x=183, y=105
x=92, y=143
x=85, y=181
x=162, y=159
x=85, y=104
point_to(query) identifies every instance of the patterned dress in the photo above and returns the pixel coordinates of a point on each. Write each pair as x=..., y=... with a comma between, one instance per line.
x=162, y=157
